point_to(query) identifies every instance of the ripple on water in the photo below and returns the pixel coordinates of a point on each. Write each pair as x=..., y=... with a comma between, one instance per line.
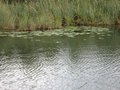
x=60, y=62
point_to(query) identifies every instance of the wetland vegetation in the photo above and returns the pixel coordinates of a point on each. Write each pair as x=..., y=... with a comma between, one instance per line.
x=51, y=14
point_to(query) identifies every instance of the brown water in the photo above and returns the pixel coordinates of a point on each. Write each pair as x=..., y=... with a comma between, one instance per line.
x=82, y=62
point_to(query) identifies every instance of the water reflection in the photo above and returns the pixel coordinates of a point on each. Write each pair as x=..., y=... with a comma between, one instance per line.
x=60, y=63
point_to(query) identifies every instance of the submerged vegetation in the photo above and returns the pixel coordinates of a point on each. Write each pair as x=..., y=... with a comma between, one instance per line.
x=49, y=14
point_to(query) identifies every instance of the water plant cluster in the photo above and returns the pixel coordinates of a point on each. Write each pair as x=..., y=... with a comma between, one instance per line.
x=69, y=32
x=49, y=14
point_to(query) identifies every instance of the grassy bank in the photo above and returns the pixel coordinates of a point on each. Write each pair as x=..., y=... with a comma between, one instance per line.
x=48, y=14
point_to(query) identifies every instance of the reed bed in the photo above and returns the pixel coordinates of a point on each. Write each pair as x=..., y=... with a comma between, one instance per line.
x=50, y=14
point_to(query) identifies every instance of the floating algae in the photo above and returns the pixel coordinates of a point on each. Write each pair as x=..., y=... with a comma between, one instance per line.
x=70, y=32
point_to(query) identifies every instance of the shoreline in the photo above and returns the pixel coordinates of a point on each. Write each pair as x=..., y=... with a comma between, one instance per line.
x=8, y=29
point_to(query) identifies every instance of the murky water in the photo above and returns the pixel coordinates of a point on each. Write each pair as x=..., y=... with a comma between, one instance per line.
x=82, y=62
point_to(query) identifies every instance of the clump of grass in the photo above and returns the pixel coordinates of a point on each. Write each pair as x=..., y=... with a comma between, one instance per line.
x=48, y=14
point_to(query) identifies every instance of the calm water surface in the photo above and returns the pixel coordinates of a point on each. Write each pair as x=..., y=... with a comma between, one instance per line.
x=82, y=62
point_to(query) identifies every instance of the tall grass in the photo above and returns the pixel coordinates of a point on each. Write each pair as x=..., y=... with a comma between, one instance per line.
x=41, y=14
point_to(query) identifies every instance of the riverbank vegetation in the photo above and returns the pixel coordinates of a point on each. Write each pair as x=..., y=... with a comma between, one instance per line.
x=50, y=14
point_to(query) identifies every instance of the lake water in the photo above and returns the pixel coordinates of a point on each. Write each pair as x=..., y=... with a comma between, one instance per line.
x=88, y=61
